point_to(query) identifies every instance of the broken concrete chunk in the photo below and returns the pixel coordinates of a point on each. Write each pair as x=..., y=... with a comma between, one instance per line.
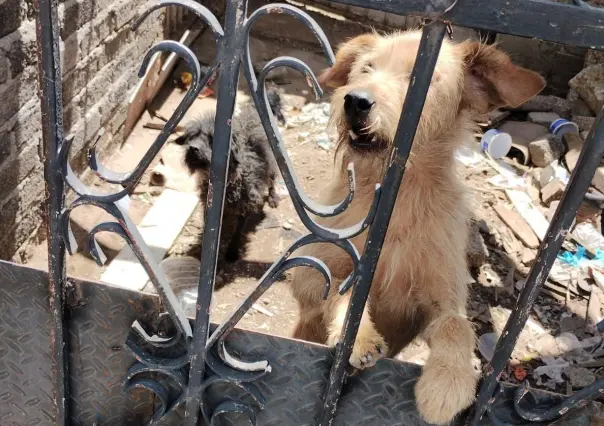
x=579, y=377
x=578, y=105
x=583, y=122
x=589, y=237
x=522, y=134
x=477, y=250
x=546, y=104
x=594, y=57
x=574, y=143
x=552, y=191
x=588, y=212
x=528, y=256
x=545, y=150
x=589, y=83
x=544, y=118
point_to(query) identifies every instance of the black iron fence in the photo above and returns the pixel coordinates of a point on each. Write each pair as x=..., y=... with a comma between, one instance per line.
x=178, y=362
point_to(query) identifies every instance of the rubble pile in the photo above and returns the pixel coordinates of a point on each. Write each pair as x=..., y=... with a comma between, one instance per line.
x=561, y=348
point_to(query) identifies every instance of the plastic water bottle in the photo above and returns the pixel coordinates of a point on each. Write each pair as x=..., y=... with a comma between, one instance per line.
x=497, y=144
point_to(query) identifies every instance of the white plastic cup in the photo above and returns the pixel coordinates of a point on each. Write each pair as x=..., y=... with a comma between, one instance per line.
x=497, y=144
x=562, y=126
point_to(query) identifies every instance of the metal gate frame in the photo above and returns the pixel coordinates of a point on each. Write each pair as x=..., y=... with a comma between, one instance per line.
x=171, y=353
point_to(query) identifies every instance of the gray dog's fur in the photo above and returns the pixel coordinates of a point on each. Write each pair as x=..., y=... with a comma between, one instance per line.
x=252, y=174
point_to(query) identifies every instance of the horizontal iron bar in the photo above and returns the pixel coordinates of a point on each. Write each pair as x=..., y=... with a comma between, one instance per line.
x=545, y=20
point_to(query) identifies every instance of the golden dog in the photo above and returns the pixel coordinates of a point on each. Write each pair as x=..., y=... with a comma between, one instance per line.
x=420, y=285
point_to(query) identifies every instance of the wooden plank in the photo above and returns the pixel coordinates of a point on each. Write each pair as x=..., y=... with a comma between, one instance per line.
x=524, y=205
x=517, y=225
x=138, y=101
x=159, y=228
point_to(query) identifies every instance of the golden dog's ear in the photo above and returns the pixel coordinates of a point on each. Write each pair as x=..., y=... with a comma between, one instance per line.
x=337, y=75
x=492, y=80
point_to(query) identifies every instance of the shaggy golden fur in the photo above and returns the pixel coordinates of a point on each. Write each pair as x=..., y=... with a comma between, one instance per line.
x=420, y=285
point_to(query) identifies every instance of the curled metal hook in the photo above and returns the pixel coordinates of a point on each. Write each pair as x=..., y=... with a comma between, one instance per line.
x=201, y=11
x=167, y=402
x=129, y=179
x=231, y=406
x=302, y=203
x=545, y=415
x=285, y=9
x=177, y=377
x=158, y=390
x=125, y=228
x=279, y=267
x=154, y=361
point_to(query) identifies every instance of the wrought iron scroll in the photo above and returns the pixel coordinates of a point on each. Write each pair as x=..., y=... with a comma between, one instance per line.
x=171, y=356
x=212, y=351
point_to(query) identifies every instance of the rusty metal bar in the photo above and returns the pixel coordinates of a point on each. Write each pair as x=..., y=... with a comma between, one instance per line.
x=49, y=74
x=230, y=51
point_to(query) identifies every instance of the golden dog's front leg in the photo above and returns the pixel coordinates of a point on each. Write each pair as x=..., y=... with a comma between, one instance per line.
x=448, y=381
x=369, y=345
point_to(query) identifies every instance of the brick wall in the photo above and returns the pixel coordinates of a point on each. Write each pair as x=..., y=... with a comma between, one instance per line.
x=100, y=59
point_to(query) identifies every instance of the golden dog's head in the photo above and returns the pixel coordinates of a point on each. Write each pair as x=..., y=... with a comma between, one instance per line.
x=371, y=76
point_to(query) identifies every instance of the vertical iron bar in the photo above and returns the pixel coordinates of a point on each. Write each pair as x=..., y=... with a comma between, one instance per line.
x=427, y=55
x=229, y=52
x=579, y=183
x=49, y=73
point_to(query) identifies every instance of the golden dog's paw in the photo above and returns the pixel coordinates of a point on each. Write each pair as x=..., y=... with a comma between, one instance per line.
x=367, y=350
x=444, y=390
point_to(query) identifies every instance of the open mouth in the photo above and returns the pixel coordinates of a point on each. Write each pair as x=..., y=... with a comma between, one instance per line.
x=364, y=141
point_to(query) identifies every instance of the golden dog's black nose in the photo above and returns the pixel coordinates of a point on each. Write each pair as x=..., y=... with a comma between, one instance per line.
x=357, y=105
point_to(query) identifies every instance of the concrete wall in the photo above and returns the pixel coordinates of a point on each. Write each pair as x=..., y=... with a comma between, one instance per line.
x=100, y=59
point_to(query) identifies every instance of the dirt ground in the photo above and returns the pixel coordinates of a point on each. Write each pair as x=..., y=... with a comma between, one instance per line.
x=494, y=290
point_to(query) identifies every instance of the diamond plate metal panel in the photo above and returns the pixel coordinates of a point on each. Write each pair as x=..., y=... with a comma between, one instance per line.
x=295, y=388
x=100, y=317
x=98, y=327
x=25, y=363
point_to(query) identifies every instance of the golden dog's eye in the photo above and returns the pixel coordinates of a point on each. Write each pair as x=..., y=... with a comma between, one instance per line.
x=368, y=67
